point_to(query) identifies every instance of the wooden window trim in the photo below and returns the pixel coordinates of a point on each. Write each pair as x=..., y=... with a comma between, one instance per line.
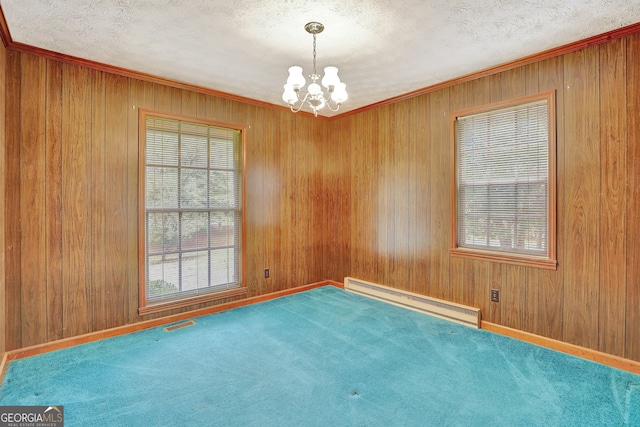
x=143, y=307
x=547, y=262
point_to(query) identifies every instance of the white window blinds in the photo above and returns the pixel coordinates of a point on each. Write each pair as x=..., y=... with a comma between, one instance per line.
x=193, y=218
x=502, y=179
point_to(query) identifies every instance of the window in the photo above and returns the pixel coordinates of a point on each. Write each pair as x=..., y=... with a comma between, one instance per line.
x=191, y=223
x=503, y=182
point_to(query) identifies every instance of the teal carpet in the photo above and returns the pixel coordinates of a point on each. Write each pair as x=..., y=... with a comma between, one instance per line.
x=324, y=357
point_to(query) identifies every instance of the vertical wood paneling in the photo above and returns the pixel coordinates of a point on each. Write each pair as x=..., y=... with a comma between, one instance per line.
x=532, y=289
x=118, y=164
x=53, y=191
x=632, y=326
x=3, y=308
x=385, y=255
x=582, y=192
x=364, y=195
x=99, y=181
x=512, y=297
x=303, y=154
x=12, y=203
x=285, y=229
x=141, y=95
x=254, y=195
x=32, y=200
x=334, y=171
x=277, y=163
x=551, y=284
x=420, y=249
x=76, y=199
x=457, y=101
x=439, y=228
x=399, y=139
x=613, y=180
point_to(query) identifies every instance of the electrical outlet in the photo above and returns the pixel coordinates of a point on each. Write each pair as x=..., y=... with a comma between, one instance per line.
x=266, y=273
x=495, y=295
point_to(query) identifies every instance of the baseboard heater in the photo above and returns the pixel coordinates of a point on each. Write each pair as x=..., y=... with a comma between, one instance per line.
x=454, y=312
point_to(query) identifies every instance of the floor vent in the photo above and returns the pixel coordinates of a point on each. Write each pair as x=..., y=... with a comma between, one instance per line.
x=458, y=313
x=179, y=325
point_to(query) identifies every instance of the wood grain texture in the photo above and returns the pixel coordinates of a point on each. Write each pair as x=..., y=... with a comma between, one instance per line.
x=335, y=194
x=551, y=285
x=364, y=195
x=12, y=192
x=401, y=167
x=122, y=174
x=141, y=95
x=613, y=200
x=76, y=201
x=32, y=200
x=53, y=191
x=420, y=209
x=258, y=191
x=99, y=300
x=438, y=238
x=632, y=313
x=532, y=289
x=3, y=147
x=457, y=101
x=582, y=161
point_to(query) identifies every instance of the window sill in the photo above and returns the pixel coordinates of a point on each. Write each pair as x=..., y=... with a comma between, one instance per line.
x=185, y=302
x=505, y=258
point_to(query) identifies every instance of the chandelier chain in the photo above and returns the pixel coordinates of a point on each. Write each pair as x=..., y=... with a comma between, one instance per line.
x=314, y=55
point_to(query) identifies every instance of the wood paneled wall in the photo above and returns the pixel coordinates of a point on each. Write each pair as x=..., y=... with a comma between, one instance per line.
x=366, y=195
x=72, y=168
x=399, y=201
x=3, y=62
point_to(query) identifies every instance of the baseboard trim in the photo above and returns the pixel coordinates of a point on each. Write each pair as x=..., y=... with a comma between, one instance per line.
x=563, y=347
x=3, y=364
x=147, y=324
x=336, y=284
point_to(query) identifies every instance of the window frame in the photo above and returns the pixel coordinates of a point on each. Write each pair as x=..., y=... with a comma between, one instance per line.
x=549, y=261
x=144, y=306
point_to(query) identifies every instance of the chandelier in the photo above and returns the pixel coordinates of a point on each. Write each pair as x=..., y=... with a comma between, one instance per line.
x=315, y=97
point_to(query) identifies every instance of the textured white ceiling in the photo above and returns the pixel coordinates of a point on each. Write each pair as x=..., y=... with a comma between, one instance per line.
x=244, y=47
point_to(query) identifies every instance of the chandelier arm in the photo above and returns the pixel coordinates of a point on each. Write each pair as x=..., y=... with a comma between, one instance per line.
x=301, y=101
x=332, y=109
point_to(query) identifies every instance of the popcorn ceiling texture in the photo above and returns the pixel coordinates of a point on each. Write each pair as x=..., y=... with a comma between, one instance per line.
x=244, y=47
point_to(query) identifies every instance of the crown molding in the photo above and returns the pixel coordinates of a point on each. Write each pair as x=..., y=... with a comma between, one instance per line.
x=5, y=35
x=537, y=57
